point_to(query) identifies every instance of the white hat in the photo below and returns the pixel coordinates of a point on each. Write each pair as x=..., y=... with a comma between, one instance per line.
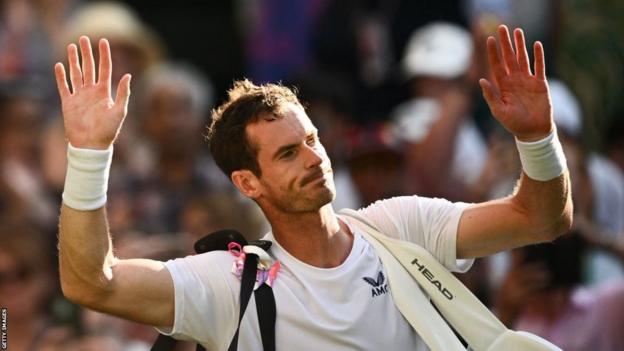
x=566, y=110
x=114, y=21
x=438, y=49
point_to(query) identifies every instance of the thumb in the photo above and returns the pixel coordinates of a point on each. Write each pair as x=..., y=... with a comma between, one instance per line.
x=123, y=93
x=490, y=95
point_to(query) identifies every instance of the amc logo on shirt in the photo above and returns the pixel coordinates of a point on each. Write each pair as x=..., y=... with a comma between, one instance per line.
x=380, y=286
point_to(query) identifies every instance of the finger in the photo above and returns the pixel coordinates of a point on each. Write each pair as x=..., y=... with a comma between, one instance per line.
x=521, y=51
x=540, y=64
x=75, y=75
x=61, y=81
x=88, y=64
x=509, y=57
x=123, y=93
x=490, y=95
x=106, y=64
x=495, y=62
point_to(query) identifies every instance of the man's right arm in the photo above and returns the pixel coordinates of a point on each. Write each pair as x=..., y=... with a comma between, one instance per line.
x=138, y=289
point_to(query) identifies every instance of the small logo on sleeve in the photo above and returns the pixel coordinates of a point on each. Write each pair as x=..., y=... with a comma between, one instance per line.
x=380, y=286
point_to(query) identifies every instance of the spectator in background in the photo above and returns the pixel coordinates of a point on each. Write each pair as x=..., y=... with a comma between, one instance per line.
x=353, y=38
x=135, y=46
x=171, y=162
x=600, y=206
x=27, y=284
x=29, y=33
x=365, y=39
x=376, y=163
x=22, y=192
x=442, y=138
x=542, y=294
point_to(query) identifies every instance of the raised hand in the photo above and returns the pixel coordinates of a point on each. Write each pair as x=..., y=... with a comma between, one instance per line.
x=92, y=119
x=518, y=99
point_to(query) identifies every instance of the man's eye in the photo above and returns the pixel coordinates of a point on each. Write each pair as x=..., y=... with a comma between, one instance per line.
x=311, y=140
x=288, y=154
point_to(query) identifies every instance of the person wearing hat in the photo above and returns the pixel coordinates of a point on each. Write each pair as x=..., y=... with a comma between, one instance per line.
x=136, y=47
x=440, y=135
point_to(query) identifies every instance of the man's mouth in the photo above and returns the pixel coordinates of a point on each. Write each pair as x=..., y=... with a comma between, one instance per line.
x=317, y=175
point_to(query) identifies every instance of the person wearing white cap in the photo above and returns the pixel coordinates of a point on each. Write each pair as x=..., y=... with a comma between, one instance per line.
x=441, y=136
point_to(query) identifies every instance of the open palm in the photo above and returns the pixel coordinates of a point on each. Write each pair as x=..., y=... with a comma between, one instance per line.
x=518, y=99
x=92, y=118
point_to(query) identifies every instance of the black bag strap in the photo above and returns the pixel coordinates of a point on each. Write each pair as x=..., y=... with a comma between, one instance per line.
x=247, y=284
x=265, y=306
x=164, y=343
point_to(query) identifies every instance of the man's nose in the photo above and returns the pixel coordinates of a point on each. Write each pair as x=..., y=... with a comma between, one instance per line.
x=314, y=156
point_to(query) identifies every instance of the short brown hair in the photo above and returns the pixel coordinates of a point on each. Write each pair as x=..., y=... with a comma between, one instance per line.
x=247, y=103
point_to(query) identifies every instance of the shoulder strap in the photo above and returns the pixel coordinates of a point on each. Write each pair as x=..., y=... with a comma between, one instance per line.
x=247, y=284
x=267, y=314
x=164, y=343
x=472, y=320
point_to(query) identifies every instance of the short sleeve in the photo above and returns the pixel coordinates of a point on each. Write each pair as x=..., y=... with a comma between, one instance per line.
x=430, y=223
x=206, y=299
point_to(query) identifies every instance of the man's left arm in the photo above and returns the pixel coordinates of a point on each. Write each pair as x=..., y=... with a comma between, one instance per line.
x=541, y=207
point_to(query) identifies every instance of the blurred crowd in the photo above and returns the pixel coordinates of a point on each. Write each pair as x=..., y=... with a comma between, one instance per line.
x=392, y=88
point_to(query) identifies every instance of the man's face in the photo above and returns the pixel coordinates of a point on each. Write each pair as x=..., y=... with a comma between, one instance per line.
x=296, y=172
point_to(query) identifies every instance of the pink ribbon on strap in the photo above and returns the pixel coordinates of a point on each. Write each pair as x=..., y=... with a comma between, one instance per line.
x=267, y=276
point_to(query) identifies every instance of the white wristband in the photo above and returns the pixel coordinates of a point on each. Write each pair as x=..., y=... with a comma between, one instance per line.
x=86, y=181
x=542, y=160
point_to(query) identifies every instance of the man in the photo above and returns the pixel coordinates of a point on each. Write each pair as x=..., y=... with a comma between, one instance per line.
x=263, y=140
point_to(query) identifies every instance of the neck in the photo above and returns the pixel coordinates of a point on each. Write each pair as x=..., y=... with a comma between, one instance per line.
x=316, y=238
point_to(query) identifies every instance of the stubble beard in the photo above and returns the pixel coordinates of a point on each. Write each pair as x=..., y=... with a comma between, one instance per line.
x=299, y=201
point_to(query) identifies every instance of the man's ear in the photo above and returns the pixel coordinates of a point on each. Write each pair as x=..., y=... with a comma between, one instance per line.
x=246, y=182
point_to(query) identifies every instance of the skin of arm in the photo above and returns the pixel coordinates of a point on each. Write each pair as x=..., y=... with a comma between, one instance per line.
x=137, y=289
x=537, y=211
